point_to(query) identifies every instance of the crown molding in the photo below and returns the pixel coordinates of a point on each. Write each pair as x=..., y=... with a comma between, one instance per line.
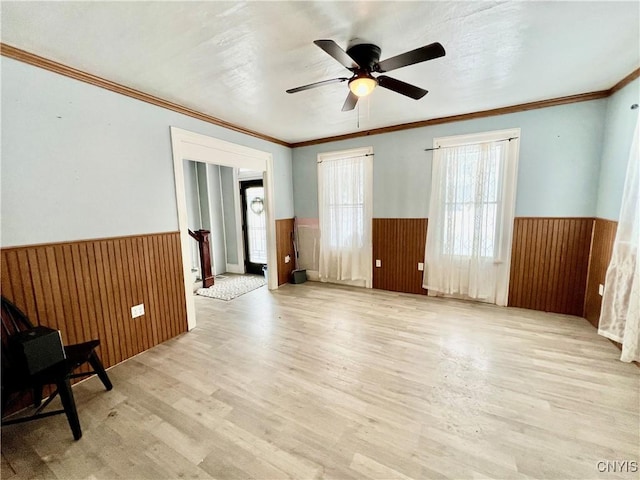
x=56, y=67
x=625, y=81
x=582, y=97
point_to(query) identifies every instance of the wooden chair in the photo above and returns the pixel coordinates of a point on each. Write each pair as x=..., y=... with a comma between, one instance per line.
x=15, y=381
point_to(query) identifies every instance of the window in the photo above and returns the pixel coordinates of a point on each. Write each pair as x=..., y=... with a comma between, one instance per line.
x=344, y=205
x=344, y=196
x=471, y=200
x=471, y=213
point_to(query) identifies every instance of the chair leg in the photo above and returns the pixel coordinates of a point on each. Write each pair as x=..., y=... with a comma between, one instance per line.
x=69, y=405
x=95, y=362
x=37, y=395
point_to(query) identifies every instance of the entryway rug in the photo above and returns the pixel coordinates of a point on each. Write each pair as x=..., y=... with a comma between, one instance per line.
x=228, y=288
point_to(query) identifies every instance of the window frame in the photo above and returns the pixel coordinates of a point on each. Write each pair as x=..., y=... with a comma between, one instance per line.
x=506, y=194
x=363, y=152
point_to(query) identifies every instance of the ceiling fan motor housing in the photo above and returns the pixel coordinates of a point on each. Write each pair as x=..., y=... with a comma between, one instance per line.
x=367, y=55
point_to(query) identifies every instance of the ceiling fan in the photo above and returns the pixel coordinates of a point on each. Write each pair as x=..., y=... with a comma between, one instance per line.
x=364, y=59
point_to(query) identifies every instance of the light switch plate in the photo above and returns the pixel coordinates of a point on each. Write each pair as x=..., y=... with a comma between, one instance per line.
x=378, y=263
x=287, y=259
x=601, y=289
x=421, y=266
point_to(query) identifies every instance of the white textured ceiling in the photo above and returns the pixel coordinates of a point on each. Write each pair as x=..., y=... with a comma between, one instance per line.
x=235, y=60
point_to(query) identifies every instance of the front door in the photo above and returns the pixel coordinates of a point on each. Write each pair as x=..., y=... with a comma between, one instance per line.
x=254, y=225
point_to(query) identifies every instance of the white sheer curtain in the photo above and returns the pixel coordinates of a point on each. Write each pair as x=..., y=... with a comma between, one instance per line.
x=620, y=314
x=345, y=184
x=471, y=217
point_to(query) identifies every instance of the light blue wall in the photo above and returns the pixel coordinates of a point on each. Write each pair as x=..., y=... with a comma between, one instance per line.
x=560, y=150
x=216, y=218
x=618, y=135
x=81, y=162
x=228, y=200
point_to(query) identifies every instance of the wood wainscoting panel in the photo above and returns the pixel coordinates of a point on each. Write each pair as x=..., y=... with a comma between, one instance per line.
x=86, y=290
x=604, y=234
x=399, y=244
x=284, y=241
x=549, y=262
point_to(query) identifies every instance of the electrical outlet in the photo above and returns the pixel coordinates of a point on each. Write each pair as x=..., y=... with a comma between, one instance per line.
x=137, y=311
x=601, y=289
x=287, y=259
x=421, y=266
x=378, y=263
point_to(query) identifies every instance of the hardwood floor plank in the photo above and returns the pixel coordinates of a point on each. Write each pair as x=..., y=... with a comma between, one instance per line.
x=323, y=381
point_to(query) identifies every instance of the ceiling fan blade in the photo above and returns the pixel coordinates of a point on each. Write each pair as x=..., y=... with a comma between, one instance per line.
x=317, y=84
x=401, y=87
x=350, y=102
x=422, y=54
x=338, y=53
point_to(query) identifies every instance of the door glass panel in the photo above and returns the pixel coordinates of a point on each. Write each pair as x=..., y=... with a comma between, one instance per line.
x=256, y=225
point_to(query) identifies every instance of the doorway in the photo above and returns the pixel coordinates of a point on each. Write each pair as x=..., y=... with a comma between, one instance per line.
x=202, y=148
x=254, y=227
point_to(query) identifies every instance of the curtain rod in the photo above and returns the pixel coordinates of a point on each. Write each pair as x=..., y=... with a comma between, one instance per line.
x=349, y=158
x=479, y=143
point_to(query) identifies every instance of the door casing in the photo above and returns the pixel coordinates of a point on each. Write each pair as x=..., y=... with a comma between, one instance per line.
x=188, y=145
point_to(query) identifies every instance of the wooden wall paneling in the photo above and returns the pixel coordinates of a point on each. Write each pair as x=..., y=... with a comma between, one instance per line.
x=555, y=248
x=549, y=264
x=284, y=246
x=177, y=285
x=126, y=298
x=171, y=288
x=137, y=254
x=604, y=234
x=80, y=270
x=384, y=233
x=8, y=278
x=99, y=304
x=399, y=244
x=539, y=294
x=517, y=262
x=162, y=285
x=580, y=258
x=107, y=294
x=583, y=258
x=151, y=279
x=132, y=282
x=86, y=289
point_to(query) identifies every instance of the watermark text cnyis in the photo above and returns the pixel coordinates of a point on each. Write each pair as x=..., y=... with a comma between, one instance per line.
x=617, y=466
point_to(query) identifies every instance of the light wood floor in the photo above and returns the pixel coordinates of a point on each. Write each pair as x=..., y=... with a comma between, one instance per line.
x=318, y=381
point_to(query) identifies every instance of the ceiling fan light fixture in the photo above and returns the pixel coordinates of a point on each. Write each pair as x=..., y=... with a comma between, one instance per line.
x=362, y=85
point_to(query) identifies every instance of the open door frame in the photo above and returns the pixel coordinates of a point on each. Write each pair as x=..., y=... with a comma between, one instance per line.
x=188, y=145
